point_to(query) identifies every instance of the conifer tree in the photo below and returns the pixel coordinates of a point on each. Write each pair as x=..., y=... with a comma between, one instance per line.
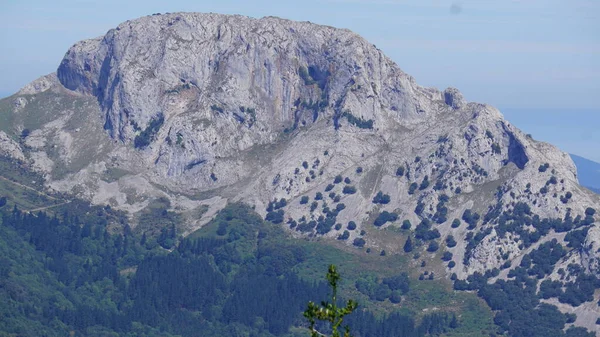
x=329, y=311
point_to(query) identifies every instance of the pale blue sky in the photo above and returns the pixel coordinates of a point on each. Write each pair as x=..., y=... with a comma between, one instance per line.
x=538, y=61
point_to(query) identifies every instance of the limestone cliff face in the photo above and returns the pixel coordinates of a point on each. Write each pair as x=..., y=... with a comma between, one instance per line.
x=203, y=109
x=227, y=83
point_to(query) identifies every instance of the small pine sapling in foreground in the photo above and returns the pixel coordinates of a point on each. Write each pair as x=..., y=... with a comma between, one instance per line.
x=329, y=311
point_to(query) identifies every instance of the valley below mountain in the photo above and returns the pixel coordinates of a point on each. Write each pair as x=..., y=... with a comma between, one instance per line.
x=258, y=149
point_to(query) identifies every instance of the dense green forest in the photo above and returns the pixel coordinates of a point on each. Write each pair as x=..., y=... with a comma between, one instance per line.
x=61, y=276
x=85, y=272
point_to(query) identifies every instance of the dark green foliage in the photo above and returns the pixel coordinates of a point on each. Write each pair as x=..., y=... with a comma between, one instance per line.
x=450, y=242
x=385, y=217
x=338, y=179
x=359, y=242
x=471, y=218
x=381, y=198
x=451, y=264
x=305, y=164
x=329, y=311
x=348, y=189
x=590, y=211
x=550, y=289
x=276, y=204
x=576, y=238
x=473, y=241
x=447, y=256
x=329, y=187
x=400, y=171
x=359, y=170
x=217, y=108
x=363, y=323
x=408, y=245
x=433, y=246
x=304, y=200
x=147, y=136
x=351, y=225
x=319, y=196
x=344, y=236
x=424, y=183
x=275, y=217
x=347, y=180
x=543, y=167
x=389, y=288
x=63, y=276
x=314, y=206
x=455, y=223
x=565, y=199
x=552, y=181
x=419, y=208
x=406, y=224
x=576, y=331
x=424, y=231
x=580, y=291
x=441, y=211
x=358, y=122
x=545, y=257
x=519, y=312
x=412, y=188
x=25, y=133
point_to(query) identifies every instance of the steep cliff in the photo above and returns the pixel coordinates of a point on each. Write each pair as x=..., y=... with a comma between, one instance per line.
x=311, y=124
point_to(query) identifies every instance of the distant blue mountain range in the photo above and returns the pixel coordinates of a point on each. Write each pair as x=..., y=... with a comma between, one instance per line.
x=588, y=173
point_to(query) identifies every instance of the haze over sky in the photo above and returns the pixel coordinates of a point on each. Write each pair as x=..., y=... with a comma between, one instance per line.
x=538, y=61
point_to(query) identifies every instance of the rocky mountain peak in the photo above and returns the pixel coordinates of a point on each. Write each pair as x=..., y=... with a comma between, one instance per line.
x=290, y=73
x=312, y=125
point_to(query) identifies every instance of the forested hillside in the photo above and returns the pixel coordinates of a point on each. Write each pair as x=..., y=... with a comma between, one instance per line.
x=238, y=278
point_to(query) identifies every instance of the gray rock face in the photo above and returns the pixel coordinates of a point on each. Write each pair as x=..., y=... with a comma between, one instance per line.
x=206, y=73
x=203, y=109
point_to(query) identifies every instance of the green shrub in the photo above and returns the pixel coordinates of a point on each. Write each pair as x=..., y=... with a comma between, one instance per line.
x=400, y=171
x=351, y=225
x=450, y=242
x=358, y=122
x=433, y=246
x=147, y=136
x=381, y=198
x=349, y=189
x=413, y=187
x=385, y=217
x=359, y=242
x=406, y=224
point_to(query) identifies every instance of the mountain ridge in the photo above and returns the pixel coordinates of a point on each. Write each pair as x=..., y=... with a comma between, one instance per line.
x=207, y=109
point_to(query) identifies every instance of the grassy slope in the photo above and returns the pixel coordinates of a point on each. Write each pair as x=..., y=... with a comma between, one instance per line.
x=424, y=297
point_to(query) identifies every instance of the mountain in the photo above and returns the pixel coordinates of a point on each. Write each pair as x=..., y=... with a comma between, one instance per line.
x=588, y=172
x=169, y=118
